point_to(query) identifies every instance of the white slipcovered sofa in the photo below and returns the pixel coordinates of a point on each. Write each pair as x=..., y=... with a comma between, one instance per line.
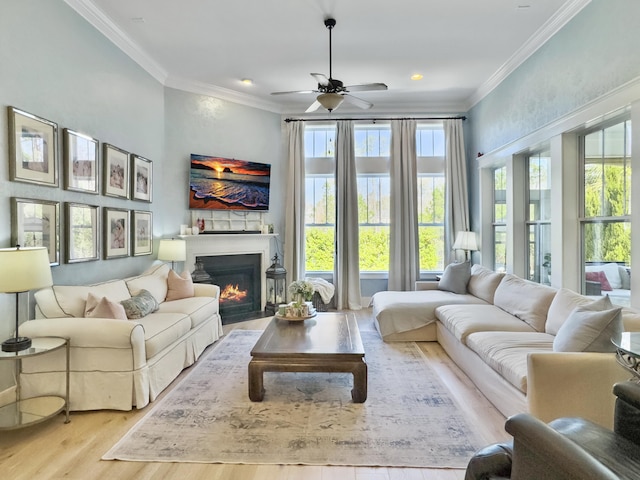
x=501, y=333
x=114, y=363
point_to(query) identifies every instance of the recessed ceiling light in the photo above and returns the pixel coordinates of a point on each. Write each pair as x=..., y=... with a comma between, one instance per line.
x=138, y=19
x=247, y=81
x=416, y=76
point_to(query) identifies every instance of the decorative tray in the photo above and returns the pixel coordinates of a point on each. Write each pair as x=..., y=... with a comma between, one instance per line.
x=296, y=319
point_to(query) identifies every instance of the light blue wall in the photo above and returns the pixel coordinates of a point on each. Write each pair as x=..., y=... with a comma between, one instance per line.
x=209, y=126
x=596, y=52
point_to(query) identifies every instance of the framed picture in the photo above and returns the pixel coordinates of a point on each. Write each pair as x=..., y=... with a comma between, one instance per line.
x=82, y=232
x=141, y=179
x=80, y=162
x=36, y=223
x=33, y=149
x=142, y=233
x=116, y=171
x=116, y=233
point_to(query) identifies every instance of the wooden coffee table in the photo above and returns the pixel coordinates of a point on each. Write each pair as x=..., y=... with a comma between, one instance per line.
x=328, y=342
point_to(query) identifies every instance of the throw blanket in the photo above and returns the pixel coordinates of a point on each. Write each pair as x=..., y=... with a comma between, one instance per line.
x=324, y=288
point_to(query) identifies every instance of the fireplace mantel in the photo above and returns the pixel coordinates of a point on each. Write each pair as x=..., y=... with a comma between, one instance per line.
x=231, y=244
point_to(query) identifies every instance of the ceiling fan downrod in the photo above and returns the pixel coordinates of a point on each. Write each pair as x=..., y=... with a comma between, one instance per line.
x=330, y=23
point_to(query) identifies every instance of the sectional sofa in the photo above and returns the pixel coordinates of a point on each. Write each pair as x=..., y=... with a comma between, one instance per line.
x=149, y=329
x=527, y=347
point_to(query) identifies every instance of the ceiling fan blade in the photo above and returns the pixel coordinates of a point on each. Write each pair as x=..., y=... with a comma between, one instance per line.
x=294, y=91
x=358, y=102
x=366, y=87
x=313, y=107
x=321, y=79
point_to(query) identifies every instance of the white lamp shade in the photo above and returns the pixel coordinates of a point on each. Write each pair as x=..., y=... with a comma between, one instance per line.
x=330, y=101
x=24, y=269
x=465, y=241
x=173, y=250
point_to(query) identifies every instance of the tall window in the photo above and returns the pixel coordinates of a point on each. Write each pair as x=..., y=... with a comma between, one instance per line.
x=430, y=146
x=606, y=223
x=538, y=218
x=320, y=197
x=500, y=219
x=372, y=148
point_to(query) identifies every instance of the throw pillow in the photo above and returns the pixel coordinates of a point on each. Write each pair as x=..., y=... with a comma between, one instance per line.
x=179, y=286
x=600, y=277
x=140, y=305
x=455, y=278
x=103, y=308
x=589, y=331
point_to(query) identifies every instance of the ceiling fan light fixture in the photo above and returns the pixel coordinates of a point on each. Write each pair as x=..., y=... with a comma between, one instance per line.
x=330, y=101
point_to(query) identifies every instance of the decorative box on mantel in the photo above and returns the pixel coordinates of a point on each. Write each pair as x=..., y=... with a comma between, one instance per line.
x=204, y=245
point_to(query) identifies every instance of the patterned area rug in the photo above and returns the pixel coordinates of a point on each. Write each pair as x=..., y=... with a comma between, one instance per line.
x=408, y=420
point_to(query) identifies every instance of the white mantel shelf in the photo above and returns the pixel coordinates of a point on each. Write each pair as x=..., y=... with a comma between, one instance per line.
x=231, y=244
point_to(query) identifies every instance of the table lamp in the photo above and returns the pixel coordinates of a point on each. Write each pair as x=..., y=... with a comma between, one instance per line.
x=466, y=241
x=21, y=270
x=173, y=250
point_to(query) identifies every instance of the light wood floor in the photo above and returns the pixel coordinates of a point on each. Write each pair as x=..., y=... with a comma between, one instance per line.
x=53, y=450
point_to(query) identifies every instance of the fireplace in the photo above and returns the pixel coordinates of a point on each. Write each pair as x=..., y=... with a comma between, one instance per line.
x=239, y=278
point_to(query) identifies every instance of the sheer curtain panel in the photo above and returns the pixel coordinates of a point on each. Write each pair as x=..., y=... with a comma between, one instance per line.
x=295, y=205
x=457, y=201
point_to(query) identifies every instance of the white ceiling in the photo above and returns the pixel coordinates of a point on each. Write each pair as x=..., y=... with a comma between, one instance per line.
x=464, y=48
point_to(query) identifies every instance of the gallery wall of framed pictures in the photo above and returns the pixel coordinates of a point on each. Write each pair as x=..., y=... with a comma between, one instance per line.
x=91, y=231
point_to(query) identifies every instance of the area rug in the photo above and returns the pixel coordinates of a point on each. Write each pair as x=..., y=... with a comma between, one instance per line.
x=409, y=419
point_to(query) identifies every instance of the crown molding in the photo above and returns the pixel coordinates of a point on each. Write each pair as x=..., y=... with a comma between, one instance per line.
x=92, y=14
x=221, y=93
x=549, y=29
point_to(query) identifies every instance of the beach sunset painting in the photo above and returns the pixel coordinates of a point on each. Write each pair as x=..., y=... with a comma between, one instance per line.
x=218, y=183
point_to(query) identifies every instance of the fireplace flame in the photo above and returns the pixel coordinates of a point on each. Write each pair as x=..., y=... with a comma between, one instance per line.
x=232, y=293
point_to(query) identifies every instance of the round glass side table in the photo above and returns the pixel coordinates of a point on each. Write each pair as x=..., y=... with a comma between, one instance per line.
x=628, y=352
x=28, y=411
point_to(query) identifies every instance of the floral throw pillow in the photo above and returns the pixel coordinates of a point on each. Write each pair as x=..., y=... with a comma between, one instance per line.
x=140, y=305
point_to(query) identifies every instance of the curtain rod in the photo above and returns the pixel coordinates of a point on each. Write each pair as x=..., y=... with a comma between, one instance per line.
x=287, y=120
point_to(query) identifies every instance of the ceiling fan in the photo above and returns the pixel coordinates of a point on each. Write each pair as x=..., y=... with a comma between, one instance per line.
x=332, y=91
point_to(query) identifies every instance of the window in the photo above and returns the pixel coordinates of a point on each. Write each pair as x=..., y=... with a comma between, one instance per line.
x=372, y=148
x=606, y=223
x=538, y=217
x=320, y=198
x=500, y=219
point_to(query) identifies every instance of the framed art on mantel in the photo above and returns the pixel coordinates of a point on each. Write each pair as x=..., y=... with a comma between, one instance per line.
x=80, y=162
x=142, y=233
x=116, y=233
x=82, y=232
x=116, y=171
x=36, y=223
x=33, y=149
x=141, y=178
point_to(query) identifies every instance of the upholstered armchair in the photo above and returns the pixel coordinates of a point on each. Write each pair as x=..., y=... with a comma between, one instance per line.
x=567, y=448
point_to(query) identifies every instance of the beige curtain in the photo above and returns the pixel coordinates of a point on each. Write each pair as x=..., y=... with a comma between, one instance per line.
x=404, y=259
x=346, y=269
x=457, y=201
x=294, y=258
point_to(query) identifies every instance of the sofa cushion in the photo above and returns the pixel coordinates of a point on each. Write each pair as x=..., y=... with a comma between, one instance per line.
x=162, y=330
x=599, y=277
x=397, y=312
x=140, y=305
x=153, y=280
x=625, y=277
x=587, y=330
x=72, y=299
x=179, y=286
x=104, y=308
x=463, y=320
x=526, y=300
x=507, y=352
x=455, y=278
x=199, y=309
x=565, y=302
x=483, y=283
